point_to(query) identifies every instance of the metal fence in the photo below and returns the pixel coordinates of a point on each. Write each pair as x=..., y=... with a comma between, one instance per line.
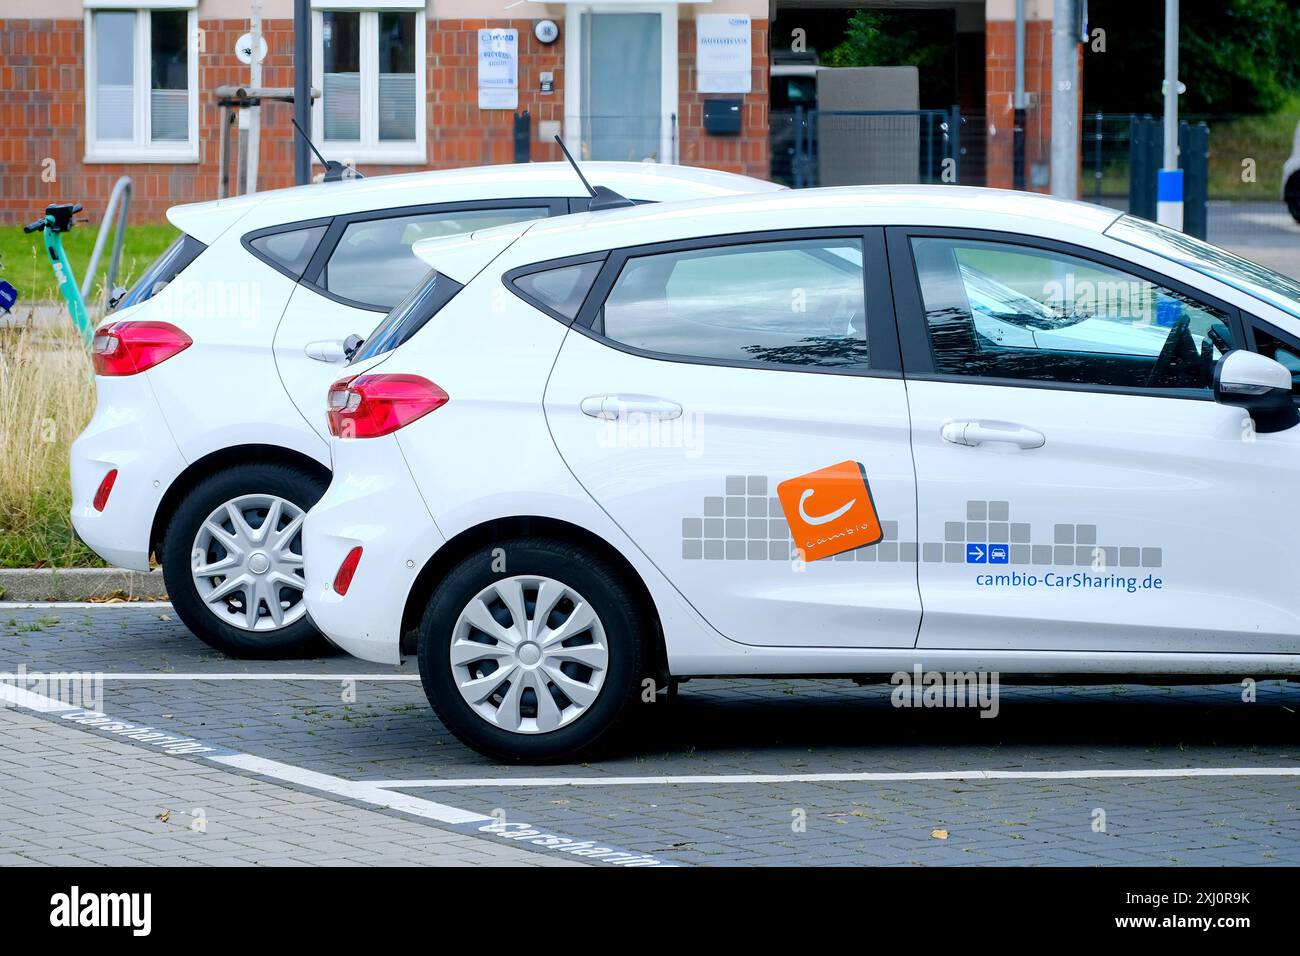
x=839, y=148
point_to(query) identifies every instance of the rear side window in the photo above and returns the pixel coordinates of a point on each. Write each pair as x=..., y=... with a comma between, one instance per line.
x=797, y=303
x=291, y=250
x=560, y=291
x=410, y=315
x=163, y=270
x=373, y=264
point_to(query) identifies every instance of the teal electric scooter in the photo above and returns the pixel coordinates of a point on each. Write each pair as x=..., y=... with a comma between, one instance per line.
x=57, y=220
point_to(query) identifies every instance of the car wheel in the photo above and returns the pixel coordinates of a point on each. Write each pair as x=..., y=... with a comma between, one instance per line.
x=232, y=561
x=530, y=650
x=1293, y=197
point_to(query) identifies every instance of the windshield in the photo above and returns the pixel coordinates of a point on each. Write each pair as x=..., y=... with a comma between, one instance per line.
x=1263, y=283
x=409, y=316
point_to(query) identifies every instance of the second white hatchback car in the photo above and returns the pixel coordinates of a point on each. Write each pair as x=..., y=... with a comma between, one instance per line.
x=834, y=432
x=209, y=440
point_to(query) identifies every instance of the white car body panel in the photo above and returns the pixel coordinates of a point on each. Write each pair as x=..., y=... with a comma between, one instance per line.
x=763, y=426
x=1172, y=474
x=246, y=379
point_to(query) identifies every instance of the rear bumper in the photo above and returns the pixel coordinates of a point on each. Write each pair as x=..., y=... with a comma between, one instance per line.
x=378, y=509
x=128, y=433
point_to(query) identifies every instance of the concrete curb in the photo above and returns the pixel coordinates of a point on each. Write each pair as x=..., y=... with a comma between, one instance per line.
x=80, y=584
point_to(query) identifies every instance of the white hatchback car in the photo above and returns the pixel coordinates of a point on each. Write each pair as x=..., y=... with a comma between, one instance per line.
x=773, y=437
x=209, y=441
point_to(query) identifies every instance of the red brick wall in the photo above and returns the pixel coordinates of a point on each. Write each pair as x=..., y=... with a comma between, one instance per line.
x=747, y=153
x=1000, y=86
x=43, y=99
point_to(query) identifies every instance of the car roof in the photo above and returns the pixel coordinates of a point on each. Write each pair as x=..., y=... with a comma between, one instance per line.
x=971, y=207
x=658, y=182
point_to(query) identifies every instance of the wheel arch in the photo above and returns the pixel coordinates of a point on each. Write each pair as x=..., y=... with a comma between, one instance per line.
x=216, y=461
x=502, y=529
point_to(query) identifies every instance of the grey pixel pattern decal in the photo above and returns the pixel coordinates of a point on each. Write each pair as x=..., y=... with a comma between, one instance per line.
x=988, y=525
x=746, y=523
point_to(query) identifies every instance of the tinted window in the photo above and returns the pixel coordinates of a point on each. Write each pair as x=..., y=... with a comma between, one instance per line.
x=291, y=250
x=561, y=290
x=1007, y=311
x=796, y=303
x=373, y=262
x=410, y=315
x=1281, y=348
x=1250, y=277
x=163, y=270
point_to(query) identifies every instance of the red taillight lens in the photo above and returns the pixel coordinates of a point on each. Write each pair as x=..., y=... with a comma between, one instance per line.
x=343, y=579
x=105, y=489
x=127, y=348
x=368, y=406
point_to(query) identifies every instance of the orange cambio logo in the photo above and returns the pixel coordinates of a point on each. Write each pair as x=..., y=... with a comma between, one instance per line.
x=830, y=510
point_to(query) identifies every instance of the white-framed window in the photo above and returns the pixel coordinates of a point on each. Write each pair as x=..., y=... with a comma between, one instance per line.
x=142, y=70
x=368, y=64
x=620, y=91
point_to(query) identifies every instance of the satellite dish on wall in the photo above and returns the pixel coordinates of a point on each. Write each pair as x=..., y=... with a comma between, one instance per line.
x=244, y=49
x=546, y=31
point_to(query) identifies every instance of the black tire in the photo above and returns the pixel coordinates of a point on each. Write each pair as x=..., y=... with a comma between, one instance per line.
x=626, y=627
x=297, y=485
x=1293, y=196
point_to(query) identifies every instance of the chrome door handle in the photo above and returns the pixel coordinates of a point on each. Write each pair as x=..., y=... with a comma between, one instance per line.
x=611, y=407
x=977, y=433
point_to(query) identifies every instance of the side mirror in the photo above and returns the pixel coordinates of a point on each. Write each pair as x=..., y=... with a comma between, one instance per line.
x=1259, y=385
x=333, y=351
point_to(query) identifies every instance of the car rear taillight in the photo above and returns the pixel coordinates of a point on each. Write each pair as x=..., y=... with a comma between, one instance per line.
x=367, y=406
x=127, y=348
x=343, y=578
x=105, y=489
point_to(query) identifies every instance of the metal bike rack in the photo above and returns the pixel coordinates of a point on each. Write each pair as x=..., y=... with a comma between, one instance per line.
x=119, y=201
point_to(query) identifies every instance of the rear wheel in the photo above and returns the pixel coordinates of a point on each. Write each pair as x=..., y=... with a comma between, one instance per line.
x=1293, y=196
x=534, y=661
x=232, y=560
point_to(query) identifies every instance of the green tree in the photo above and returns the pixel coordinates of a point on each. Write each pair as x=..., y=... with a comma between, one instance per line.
x=875, y=39
x=1235, y=56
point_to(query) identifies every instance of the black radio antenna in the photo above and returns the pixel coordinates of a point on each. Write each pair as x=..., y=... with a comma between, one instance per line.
x=334, y=170
x=602, y=197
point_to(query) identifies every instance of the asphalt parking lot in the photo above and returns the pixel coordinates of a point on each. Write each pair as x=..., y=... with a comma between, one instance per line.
x=333, y=760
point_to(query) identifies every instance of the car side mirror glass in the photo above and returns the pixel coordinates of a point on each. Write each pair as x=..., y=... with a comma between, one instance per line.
x=1259, y=385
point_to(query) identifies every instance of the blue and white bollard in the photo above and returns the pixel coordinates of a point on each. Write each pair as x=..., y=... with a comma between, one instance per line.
x=1169, y=198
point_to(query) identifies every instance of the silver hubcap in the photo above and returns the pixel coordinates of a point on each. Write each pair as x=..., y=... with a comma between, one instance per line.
x=529, y=654
x=247, y=562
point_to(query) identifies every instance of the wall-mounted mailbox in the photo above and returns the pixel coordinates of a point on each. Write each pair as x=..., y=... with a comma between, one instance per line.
x=722, y=117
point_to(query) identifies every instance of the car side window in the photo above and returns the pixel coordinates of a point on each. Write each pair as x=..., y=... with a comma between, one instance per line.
x=796, y=303
x=1009, y=311
x=291, y=249
x=1281, y=348
x=373, y=262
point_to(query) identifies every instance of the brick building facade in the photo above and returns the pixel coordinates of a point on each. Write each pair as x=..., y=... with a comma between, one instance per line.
x=68, y=74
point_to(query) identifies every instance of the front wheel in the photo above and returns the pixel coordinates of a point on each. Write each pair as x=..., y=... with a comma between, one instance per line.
x=233, y=565
x=1293, y=197
x=530, y=650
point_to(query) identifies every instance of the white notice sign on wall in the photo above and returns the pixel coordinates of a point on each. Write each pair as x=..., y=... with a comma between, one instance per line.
x=723, y=55
x=498, y=69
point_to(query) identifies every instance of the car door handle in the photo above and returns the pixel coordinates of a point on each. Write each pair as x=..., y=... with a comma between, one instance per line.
x=977, y=433
x=610, y=407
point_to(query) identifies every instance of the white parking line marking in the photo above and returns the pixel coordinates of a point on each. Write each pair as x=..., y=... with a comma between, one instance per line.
x=337, y=786
x=869, y=776
x=78, y=605
x=205, y=677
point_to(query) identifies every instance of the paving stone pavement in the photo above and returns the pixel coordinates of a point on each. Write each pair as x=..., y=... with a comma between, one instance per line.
x=70, y=798
x=384, y=731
